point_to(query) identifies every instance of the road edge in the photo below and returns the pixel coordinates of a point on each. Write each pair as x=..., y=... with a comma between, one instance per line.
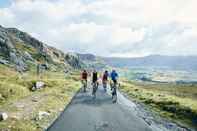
x=60, y=114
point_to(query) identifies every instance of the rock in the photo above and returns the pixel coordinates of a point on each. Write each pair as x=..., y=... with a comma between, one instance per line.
x=74, y=61
x=27, y=56
x=3, y=61
x=3, y=116
x=20, y=65
x=87, y=57
x=38, y=85
x=23, y=51
x=61, y=109
x=34, y=100
x=42, y=114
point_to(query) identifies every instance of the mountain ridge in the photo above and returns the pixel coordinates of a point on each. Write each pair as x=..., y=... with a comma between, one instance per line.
x=173, y=62
x=20, y=49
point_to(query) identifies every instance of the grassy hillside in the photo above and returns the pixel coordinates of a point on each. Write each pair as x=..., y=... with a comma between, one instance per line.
x=177, y=102
x=22, y=57
x=23, y=105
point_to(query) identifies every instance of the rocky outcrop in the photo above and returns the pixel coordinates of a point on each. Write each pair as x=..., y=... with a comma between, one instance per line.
x=5, y=43
x=8, y=52
x=26, y=38
x=20, y=49
x=28, y=56
x=92, y=61
x=87, y=57
x=4, y=62
x=74, y=61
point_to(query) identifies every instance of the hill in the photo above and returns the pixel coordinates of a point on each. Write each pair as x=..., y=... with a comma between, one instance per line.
x=172, y=62
x=20, y=98
x=23, y=51
x=92, y=62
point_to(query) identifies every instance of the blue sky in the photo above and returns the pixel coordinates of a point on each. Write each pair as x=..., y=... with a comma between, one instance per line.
x=108, y=27
x=4, y=3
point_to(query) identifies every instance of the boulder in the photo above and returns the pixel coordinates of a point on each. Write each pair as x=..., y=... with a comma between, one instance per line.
x=3, y=116
x=38, y=85
x=42, y=114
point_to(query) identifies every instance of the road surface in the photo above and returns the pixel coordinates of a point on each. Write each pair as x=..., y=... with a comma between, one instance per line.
x=86, y=114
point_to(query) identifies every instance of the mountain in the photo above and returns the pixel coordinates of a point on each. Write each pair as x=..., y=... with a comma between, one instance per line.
x=92, y=62
x=23, y=51
x=172, y=62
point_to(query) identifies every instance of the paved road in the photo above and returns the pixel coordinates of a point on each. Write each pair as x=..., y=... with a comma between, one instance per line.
x=86, y=114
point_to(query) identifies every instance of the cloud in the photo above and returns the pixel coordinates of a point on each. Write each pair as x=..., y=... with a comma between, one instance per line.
x=108, y=27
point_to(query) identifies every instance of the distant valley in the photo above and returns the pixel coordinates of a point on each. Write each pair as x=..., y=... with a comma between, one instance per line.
x=156, y=61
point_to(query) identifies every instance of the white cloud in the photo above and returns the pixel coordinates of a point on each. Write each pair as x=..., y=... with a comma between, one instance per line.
x=122, y=35
x=109, y=27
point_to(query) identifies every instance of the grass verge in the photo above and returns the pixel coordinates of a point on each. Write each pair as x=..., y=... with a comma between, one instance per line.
x=177, y=102
x=23, y=105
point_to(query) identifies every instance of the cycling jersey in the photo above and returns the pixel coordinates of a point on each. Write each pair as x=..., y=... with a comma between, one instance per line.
x=105, y=77
x=84, y=75
x=94, y=77
x=114, y=76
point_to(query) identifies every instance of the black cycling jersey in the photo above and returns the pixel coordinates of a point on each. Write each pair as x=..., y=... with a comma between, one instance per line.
x=94, y=77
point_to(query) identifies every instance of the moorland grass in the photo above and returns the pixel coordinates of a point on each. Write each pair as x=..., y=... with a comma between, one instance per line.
x=177, y=102
x=57, y=94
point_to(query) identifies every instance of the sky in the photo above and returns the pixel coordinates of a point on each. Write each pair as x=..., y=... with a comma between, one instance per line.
x=123, y=28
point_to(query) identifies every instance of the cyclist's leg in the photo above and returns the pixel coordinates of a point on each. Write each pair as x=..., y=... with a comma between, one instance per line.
x=105, y=85
x=85, y=86
x=93, y=88
x=82, y=82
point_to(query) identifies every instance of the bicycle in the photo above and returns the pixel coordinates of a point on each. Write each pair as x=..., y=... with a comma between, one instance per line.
x=114, y=87
x=105, y=86
x=94, y=89
x=84, y=83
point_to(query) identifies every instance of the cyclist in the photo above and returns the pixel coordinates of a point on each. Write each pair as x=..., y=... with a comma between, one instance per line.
x=105, y=79
x=84, y=79
x=94, y=82
x=114, y=78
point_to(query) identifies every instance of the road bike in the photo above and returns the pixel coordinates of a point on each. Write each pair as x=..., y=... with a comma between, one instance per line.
x=94, y=89
x=105, y=85
x=114, y=87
